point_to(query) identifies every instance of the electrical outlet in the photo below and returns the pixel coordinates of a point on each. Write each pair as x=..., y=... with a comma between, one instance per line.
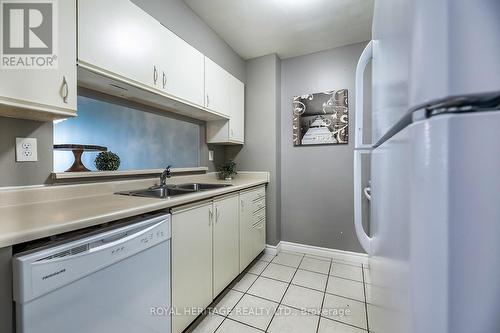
x=210, y=155
x=26, y=150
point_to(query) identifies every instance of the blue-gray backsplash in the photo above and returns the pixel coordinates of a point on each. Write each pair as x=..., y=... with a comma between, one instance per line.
x=142, y=140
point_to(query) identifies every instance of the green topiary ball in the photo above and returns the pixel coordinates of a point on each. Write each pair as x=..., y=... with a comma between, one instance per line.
x=107, y=161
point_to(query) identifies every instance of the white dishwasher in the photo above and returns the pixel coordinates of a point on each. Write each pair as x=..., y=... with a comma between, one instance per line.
x=117, y=280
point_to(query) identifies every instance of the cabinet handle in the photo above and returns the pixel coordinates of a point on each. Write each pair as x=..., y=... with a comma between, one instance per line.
x=164, y=80
x=216, y=214
x=208, y=100
x=65, y=90
x=155, y=74
x=210, y=217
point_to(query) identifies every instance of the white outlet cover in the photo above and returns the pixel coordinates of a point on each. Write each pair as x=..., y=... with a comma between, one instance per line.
x=26, y=150
x=210, y=155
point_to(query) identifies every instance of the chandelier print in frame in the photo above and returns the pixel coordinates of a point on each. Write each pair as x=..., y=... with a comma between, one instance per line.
x=321, y=118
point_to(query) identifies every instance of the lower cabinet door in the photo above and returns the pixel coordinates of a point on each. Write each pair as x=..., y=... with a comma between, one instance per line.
x=225, y=239
x=246, y=242
x=191, y=263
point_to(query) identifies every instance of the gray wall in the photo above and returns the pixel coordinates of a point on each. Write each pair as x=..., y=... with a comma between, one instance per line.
x=317, y=182
x=261, y=151
x=14, y=173
x=179, y=18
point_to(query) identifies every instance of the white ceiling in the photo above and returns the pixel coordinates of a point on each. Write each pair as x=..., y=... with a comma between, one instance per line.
x=287, y=27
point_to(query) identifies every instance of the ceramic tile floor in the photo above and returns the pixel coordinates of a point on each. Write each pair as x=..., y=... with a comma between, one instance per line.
x=292, y=293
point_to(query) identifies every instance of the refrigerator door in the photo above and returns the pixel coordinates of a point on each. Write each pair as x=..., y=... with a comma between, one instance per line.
x=388, y=293
x=427, y=51
x=455, y=49
x=455, y=223
x=435, y=224
x=391, y=55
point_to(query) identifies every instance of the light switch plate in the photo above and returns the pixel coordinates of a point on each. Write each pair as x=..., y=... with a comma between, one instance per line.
x=26, y=150
x=210, y=155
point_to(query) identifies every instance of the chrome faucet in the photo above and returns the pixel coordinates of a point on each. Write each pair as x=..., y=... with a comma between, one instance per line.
x=164, y=175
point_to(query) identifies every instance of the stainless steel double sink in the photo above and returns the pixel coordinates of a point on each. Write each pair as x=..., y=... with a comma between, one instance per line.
x=163, y=192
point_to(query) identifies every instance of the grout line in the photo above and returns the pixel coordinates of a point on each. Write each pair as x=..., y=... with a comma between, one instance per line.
x=244, y=293
x=341, y=322
x=347, y=263
x=349, y=298
x=288, y=306
x=325, y=274
x=223, y=320
x=324, y=296
x=346, y=324
x=242, y=323
x=282, y=297
x=364, y=291
x=320, y=316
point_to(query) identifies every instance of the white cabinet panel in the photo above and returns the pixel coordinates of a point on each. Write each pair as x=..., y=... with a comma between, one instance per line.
x=119, y=38
x=237, y=110
x=225, y=240
x=252, y=225
x=230, y=131
x=211, y=243
x=45, y=93
x=216, y=88
x=182, y=69
x=191, y=262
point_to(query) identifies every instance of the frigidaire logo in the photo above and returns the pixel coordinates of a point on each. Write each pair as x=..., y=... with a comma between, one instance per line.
x=45, y=277
x=29, y=34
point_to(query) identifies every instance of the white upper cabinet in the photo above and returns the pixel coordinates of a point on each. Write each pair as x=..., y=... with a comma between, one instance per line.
x=230, y=131
x=118, y=39
x=237, y=110
x=48, y=93
x=182, y=69
x=216, y=88
x=123, y=51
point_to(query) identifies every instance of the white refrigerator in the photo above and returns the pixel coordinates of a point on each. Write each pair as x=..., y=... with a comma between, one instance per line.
x=434, y=154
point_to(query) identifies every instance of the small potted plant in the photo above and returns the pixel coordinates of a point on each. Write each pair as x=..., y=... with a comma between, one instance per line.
x=107, y=161
x=227, y=170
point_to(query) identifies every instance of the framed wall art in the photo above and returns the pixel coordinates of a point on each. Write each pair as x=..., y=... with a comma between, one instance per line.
x=321, y=118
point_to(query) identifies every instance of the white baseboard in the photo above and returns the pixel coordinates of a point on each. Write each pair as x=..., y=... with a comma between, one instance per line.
x=272, y=249
x=317, y=251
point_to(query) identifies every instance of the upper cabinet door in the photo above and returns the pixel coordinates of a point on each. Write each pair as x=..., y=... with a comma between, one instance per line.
x=182, y=69
x=119, y=39
x=46, y=92
x=237, y=110
x=216, y=88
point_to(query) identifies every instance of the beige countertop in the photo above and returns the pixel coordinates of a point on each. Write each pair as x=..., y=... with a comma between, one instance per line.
x=31, y=213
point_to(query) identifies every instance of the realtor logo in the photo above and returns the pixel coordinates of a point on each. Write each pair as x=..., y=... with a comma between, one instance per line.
x=28, y=35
